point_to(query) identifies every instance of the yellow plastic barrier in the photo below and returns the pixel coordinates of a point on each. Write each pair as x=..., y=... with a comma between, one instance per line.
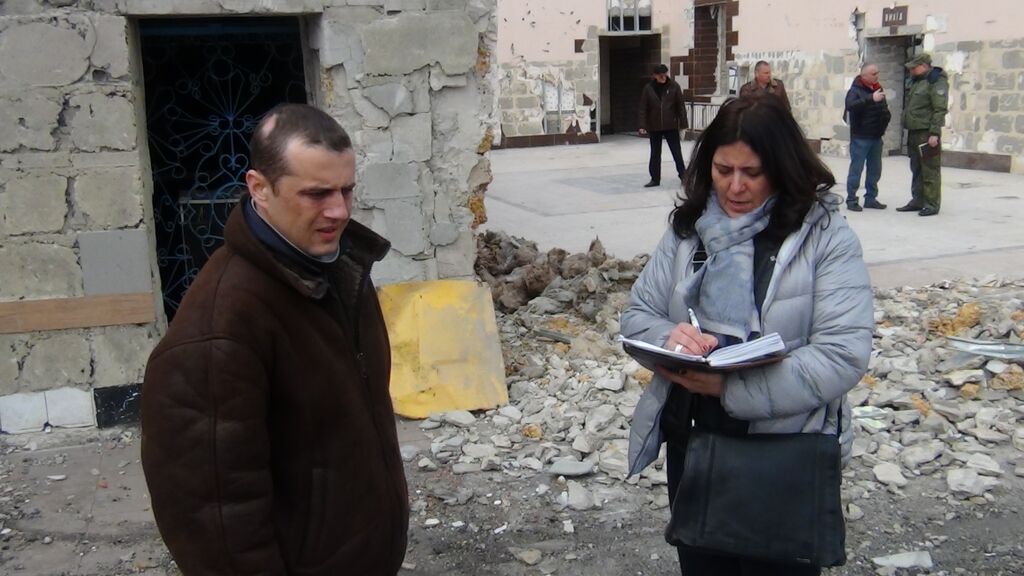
x=445, y=350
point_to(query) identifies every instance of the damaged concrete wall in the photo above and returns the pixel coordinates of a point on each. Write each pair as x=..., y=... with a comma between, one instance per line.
x=416, y=90
x=74, y=206
x=550, y=97
x=411, y=80
x=550, y=49
x=548, y=59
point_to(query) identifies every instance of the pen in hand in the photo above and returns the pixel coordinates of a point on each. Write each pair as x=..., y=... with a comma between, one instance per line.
x=693, y=320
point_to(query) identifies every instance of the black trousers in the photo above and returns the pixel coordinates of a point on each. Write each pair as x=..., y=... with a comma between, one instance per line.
x=696, y=562
x=672, y=137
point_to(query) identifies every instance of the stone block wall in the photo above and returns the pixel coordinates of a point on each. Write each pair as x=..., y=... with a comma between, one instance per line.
x=410, y=80
x=522, y=91
x=72, y=164
x=986, y=101
x=986, y=104
x=815, y=83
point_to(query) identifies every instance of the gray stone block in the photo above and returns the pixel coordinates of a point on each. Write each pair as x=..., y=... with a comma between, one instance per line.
x=1013, y=59
x=418, y=83
x=456, y=260
x=393, y=98
x=22, y=413
x=57, y=361
x=120, y=354
x=459, y=5
x=374, y=145
x=404, y=5
x=111, y=51
x=11, y=354
x=102, y=121
x=999, y=123
x=69, y=408
x=161, y=8
x=994, y=81
x=33, y=204
x=28, y=120
x=405, y=226
x=388, y=181
x=444, y=233
x=115, y=262
x=54, y=53
x=1010, y=102
x=439, y=80
x=337, y=38
x=42, y=271
x=412, y=137
x=1010, y=145
x=410, y=41
x=109, y=198
x=397, y=268
x=373, y=117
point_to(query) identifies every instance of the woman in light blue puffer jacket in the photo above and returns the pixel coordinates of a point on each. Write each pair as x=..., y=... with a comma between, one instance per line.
x=779, y=258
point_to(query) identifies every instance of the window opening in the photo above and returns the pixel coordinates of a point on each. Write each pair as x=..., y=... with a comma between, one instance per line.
x=629, y=15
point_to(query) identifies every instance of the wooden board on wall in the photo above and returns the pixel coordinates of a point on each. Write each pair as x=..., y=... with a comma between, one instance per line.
x=85, y=312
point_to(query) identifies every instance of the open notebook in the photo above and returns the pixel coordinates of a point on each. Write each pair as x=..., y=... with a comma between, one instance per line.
x=764, y=350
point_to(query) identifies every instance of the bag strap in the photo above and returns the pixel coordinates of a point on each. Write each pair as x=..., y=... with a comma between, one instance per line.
x=700, y=256
x=839, y=418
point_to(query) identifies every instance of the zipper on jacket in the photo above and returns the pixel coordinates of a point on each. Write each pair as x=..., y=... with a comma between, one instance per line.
x=360, y=355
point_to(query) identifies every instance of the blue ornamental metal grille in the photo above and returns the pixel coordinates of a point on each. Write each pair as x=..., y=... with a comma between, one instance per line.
x=208, y=83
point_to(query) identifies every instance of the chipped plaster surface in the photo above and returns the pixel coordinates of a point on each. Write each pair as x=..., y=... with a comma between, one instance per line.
x=414, y=82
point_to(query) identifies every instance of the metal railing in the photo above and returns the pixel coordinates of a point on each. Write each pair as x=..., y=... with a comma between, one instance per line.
x=700, y=114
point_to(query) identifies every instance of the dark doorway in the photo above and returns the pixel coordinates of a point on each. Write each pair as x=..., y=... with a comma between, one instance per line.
x=208, y=82
x=630, y=60
x=890, y=53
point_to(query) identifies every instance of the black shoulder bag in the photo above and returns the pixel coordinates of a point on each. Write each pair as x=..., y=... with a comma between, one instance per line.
x=765, y=496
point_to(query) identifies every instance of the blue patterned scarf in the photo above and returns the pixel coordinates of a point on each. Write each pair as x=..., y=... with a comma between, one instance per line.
x=721, y=293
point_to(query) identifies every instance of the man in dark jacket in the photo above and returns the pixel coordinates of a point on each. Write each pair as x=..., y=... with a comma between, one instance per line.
x=764, y=85
x=924, y=115
x=868, y=115
x=662, y=116
x=268, y=437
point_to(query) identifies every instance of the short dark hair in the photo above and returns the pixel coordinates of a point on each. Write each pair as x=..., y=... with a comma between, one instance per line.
x=660, y=69
x=795, y=173
x=761, y=63
x=288, y=122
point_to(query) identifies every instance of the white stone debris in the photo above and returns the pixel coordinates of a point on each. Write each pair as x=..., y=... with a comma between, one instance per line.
x=916, y=559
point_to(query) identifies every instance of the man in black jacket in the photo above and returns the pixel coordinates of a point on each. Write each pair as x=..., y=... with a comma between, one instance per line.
x=662, y=115
x=869, y=116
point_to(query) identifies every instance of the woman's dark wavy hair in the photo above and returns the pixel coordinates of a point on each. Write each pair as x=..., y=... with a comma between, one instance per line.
x=796, y=175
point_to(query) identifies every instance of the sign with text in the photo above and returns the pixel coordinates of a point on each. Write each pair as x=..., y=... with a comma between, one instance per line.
x=895, y=16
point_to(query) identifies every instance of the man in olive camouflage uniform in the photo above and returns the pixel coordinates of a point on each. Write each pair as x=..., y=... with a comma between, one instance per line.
x=923, y=116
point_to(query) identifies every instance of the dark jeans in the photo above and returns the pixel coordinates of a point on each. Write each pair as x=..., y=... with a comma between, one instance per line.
x=672, y=137
x=695, y=562
x=864, y=150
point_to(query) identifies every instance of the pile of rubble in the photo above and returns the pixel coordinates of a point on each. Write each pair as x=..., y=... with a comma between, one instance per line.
x=923, y=410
